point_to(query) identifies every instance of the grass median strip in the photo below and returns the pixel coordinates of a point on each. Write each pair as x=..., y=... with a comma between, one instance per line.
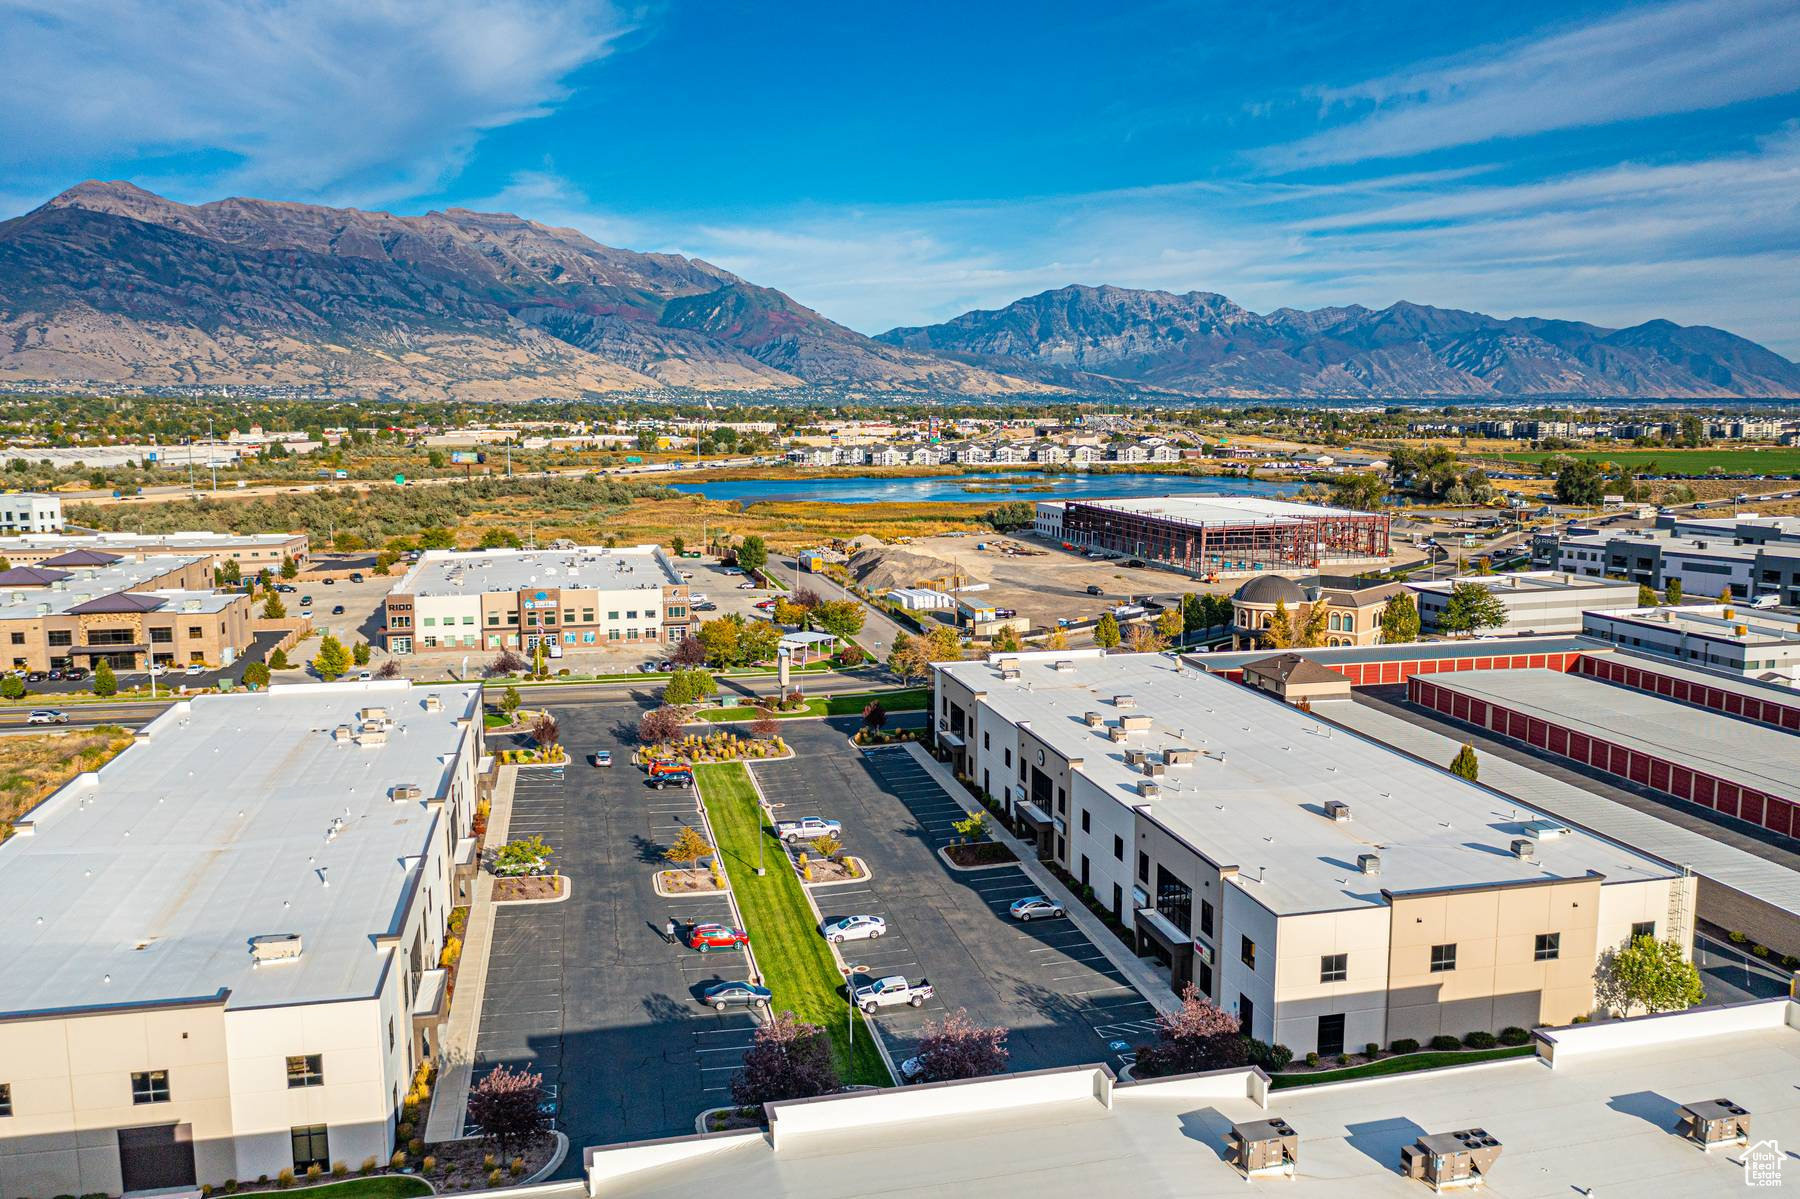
x=850, y=703
x=1404, y=1064
x=796, y=962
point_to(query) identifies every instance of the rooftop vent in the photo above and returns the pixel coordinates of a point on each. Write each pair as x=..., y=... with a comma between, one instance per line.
x=1124, y=701
x=1064, y=666
x=433, y=704
x=1180, y=757
x=1337, y=810
x=405, y=792
x=1094, y=719
x=1524, y=848
x=275, y=947
x=1008, y=673
x=1147, y=789
x=1135, y=723
x=1545, y=830
x=1369, y=863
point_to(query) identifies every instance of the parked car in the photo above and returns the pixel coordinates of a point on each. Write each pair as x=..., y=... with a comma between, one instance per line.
x=285, y=588
x=525, y=869
x=893, y=991
x=328, y=581
x=720, y=996
x=706, y=606
x=337, y=609
x=365, y=676
x=194, y=668
x=1095, y=589
x=853, y=928
x=658, y=766
x=356, y=576
x=35, y=676
x=746, y=586
x=674, y=778
x=912, y=1070
x=665, y=665
x=306, y=601
x=306, y=612
x=767, y=605
x=707, y=937
x=47, y=716
x=1034, y=907
x=696, y=597
x=646, y=667
x=603, y=757
x=809, y=829
x=75, y=674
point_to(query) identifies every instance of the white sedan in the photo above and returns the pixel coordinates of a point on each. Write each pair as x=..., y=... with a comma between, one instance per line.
x=853, y=928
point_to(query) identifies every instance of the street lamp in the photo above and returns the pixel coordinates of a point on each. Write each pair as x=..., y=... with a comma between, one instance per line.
x=852, y=973
x=762, y=839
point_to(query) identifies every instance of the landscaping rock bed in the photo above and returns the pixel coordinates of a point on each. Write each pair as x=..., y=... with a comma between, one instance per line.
x=686, y=882
x=980, y=853
x=475, y=1165
x=536, y=887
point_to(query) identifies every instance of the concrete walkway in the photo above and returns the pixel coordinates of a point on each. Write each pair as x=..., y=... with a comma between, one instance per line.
x=456, y=1047
x=1139, y=973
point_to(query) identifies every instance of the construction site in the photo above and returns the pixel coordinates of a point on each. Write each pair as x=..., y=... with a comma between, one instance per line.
x=1218, y=536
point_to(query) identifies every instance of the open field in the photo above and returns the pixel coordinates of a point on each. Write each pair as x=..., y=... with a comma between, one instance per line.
x=1784, y=460
x=31, y=766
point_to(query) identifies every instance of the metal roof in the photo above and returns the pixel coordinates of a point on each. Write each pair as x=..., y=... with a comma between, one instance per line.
x=1480, y=647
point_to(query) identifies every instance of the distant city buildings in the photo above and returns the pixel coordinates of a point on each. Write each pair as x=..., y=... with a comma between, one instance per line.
x=26, y=512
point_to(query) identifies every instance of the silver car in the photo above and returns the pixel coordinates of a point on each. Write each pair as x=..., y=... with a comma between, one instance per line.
x=1034, y=907
x=853, y=928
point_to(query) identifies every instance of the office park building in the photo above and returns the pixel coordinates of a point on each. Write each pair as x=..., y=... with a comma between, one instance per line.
x=582, y=598
x=1328, y=890
x=221, y=945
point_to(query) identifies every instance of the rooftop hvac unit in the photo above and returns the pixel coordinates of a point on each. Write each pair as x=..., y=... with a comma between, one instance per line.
x=1124, y=701
x=1337, y=810
x=1117, y=734
x=1148, y=789
x=1524, y=848
x=1064, y=666
x=1135, y=723
x=341, y=733
x=1545, y=830
x=1713, y=1123
x=1135, y=758
x=1008, y=674
x=405, y=792
x=1446, y=1159
x=1011, y=664
x=1259, y=1147
x=275, y=947
x=1369, y=863
x=433, y=704
x=1153, y=769
x=372, y=715
x=1180, y=757
x=1094, y=719
x=372, y=735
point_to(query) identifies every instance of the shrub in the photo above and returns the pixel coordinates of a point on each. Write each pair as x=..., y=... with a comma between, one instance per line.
x=1372, y=1050
x=517, y=1167
x=1481, y=1040
x=493, y=1178
x=1514, y=1035
x=1272, y=1058
x=398, y=1161
x=206, y=1190
x=368, y=1166
x=1312, y=1059
x=1343, y=1059
x=231, y=1186
x=314, y=1172
x=1445, y=1042
x=417, y=1146
x=1404, y=1045
x=428, y=1165
x=489, y=1161
x=339, y=1169
x=262, y=1180
x=285, y=1178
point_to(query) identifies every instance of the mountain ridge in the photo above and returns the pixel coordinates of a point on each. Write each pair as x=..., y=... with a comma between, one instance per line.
x=1202, y=343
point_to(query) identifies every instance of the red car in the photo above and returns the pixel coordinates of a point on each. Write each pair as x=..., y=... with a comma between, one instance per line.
x=708, y=937
x=767, y=605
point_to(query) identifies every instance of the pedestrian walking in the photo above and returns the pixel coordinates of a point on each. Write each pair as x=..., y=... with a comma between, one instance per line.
x=669, y=932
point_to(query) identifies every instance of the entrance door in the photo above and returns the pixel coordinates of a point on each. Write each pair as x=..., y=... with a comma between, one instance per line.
x=1331, y=1035
x=159, y=1156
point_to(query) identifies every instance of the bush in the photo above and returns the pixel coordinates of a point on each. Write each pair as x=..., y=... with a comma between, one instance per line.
x=1272, y=1058
x=1404, y=1045
x=417, y=1146
x=1445, y=1042
x=368, y=1166
x=1343, y=1059
x=398, y=1161
x=1481, y=1040
x=206, y=1190
x=1312, y=1059
x=428, y=1165
x=403, y=1131
x=231, y=1186
x=314, y=1172
x=517, y=1167
x=339, y=1169
x=285, y=1178
x=493, y=1178
x=1371, y=1050
x=1514, y=1035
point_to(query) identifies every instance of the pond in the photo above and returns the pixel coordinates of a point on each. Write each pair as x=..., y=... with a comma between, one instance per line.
x=975, y=488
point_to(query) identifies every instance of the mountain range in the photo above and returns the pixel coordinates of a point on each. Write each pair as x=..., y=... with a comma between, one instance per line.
x=109, y=283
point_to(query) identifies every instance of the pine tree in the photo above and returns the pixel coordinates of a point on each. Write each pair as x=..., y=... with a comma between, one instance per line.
x=105, y=681
x=1465, y=764
x=1106, y=631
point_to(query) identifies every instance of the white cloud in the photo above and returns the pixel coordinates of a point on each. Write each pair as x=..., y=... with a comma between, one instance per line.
x=349, y=100
x=1647, y=62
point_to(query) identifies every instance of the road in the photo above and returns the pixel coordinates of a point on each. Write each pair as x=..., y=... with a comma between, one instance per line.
x=878, y=631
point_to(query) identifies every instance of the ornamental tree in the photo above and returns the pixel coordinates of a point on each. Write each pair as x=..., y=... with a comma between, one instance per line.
x=105, y=681
x=874, y=716
x=1471, y=608
x=788, y=1059
x=957, y=1047
x=907, y=659
x=689, y=848
x=546, y=731
x=332, y=660
x=840, y=618
x=753, y=553
x=508, y=1106
x=688, y=653
x=659, y=725
x=1649, y=974
x=505, y=662
x=1196, y=1036
x=1106, y=631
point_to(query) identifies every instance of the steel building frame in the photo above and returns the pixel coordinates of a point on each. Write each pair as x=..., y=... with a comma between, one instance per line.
x=1282, y=542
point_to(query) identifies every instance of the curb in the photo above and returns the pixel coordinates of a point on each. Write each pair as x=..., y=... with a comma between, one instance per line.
x=556, y=1159
x=864, y=877
x=712, y=839
x=945, y=855
x=657, y=886
x=567, y=890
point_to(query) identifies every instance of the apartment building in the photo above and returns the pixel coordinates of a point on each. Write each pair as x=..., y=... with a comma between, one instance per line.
x=1536, y=601
x=584, y=598
x=1327, y=889
x=1730, y=639
x=252, y=552
x=28, y=512
x=222, y=944
x=84, y=608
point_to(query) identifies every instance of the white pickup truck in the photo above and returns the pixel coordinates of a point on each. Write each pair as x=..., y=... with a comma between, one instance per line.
x=894, y=989
x=809, y=829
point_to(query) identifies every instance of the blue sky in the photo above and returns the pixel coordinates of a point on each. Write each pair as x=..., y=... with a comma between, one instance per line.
x=901, y=163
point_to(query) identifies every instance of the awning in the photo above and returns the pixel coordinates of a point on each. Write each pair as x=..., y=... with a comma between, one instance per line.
x=951, y=740
x=88, y=651
x=433, y=996
x=465, y=851
x=1034, y=815
x=1163, y=930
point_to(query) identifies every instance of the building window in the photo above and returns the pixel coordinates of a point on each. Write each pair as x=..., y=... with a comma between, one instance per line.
x=1443, y=957
x=1246, y=1014
x=307, y=1070
x=1247, y=952
x=1086, y=822
x=163, y=636
x=1646, y=928
x=1206, y=915
x=18, y=639
x=1143, y=867
x=1549, y=947
x=1174, y=899
x=195, y=630
x=311, y=1147
x=1334, y=967
x=390, y=1034
x=1118, y=848
x=150, y=1086
x=1008, y=754
x=5, y=1099
x=62, y=637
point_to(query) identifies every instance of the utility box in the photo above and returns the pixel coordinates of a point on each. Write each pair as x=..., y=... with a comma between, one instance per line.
x=1713, y=1123
x=1451, y=1159
x=1260, y=1148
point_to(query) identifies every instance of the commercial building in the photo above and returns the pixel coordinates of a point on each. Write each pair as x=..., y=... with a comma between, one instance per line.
x=1353, y=608
x=1218, y=535
x=252, y=552
x=1536, y=601
x=1763, y=702
x=1555, y=1123
x=1377, y=665
x=1734, y=767
x=1330, y=891
x=583, y=598
x=28, y=512
x=84, y=608
x=1752, y=556
x=222, y=944
x=1728, y=638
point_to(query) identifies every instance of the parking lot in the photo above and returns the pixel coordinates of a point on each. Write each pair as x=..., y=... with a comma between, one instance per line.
x=587, y=989
x=1044, y=980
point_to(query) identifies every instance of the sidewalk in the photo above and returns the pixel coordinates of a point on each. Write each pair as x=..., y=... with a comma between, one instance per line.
x=1140, y=974
x=456, y=1048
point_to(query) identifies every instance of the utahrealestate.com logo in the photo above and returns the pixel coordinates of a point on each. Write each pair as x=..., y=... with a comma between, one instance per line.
x=1762, y=1165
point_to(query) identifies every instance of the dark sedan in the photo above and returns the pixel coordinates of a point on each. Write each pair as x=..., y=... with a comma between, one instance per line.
x=720, y=996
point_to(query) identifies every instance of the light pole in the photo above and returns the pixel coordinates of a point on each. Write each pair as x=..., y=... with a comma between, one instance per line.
x=852, y=971
x=763, y=839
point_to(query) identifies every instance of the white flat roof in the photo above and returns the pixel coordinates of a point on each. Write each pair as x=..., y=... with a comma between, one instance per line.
x=1254, y=799
x=144, y=884
x=588, y=568
x=1219, y=509
x=1710, y=621
x=91, y=583
x=1599, y=1123
x=1527, y=582
x=63, y=542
